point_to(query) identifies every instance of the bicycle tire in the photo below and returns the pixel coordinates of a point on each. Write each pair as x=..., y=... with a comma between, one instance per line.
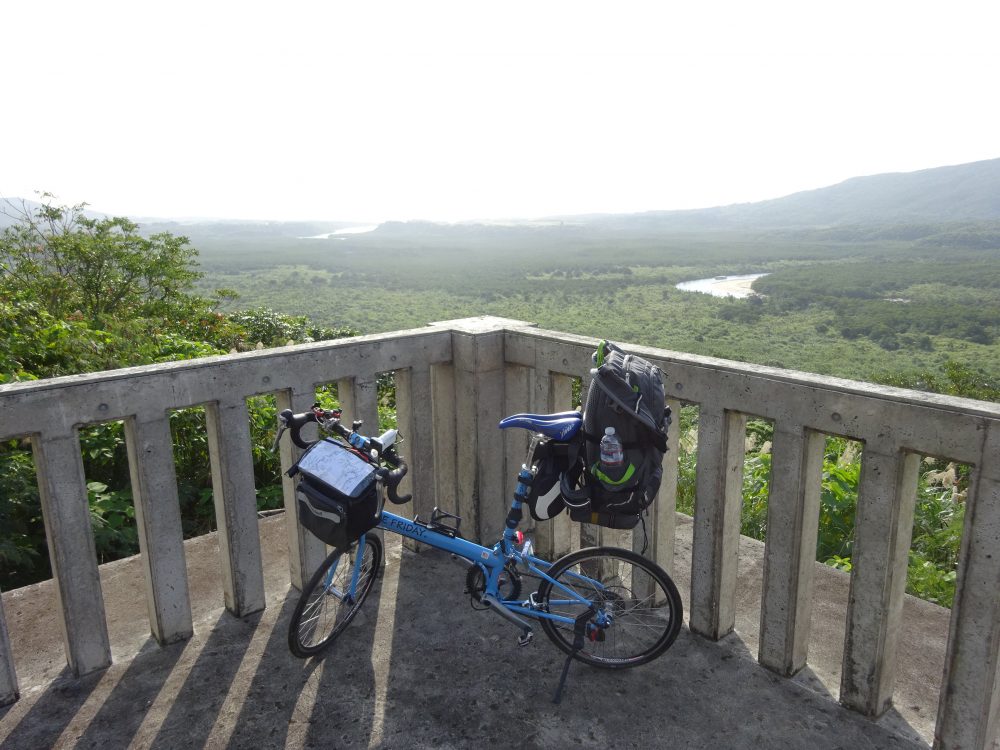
x=320, y=614
x=643, y=603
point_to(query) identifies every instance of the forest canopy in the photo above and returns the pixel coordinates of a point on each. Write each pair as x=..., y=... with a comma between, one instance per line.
x=81, y=293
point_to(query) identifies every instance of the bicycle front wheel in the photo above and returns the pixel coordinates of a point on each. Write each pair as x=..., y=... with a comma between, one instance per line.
x=327, y=604
x=633, y=611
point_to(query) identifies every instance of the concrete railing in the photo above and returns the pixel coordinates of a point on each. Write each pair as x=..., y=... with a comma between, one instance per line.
x=454, y=381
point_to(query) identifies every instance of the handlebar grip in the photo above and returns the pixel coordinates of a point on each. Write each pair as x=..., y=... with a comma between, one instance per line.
x=295, y=423
x=392, y=482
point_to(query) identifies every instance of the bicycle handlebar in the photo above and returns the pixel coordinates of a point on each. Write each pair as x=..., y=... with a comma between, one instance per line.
x=330, y=420
x=392, y=480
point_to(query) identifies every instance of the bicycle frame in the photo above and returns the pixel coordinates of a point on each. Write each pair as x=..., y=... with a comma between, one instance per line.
x=492, y=561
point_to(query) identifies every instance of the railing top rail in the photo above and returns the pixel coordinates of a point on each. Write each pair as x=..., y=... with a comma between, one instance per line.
x=922, y=422
x=966, y=406
x=247, y=357
x=30, y=407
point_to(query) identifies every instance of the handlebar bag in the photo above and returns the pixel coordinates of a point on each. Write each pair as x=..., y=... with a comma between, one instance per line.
x=337, y=495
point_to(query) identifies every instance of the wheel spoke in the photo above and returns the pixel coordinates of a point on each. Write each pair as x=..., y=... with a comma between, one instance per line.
x=627, y=628
x=327, y=604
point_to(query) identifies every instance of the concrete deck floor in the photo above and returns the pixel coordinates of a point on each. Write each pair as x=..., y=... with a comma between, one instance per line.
x=420, y=669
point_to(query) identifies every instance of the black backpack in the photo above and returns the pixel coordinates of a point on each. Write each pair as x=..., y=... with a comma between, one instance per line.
x=626, y=393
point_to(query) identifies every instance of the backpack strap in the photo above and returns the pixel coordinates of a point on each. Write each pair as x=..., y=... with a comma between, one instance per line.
x=660, y=441
x=574, y=491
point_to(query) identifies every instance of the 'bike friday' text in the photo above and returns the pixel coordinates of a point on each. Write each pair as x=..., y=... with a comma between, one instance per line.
x=405, y=527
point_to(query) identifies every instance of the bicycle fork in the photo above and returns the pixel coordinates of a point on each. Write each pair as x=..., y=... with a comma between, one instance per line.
x=347, y=595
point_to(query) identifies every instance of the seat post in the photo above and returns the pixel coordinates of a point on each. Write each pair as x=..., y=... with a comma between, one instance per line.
x=516, y=512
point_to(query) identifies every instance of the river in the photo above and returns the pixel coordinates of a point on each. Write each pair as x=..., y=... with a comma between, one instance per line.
x=723, y=286
x=339, y=234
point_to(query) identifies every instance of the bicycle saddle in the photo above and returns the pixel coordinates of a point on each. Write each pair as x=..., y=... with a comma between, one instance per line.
x=560, y=426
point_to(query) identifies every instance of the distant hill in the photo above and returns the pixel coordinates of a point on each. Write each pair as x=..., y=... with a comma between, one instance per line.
x=10, y=209
x=963, y=193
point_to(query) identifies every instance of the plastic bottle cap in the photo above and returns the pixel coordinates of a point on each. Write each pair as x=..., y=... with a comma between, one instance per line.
x=609, y=430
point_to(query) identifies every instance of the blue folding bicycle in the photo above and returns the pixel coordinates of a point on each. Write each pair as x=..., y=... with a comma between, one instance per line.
x=606, y=606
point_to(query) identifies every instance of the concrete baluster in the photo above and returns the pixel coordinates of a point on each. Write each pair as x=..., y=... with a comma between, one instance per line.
x=415, y=415
x=235, y=506
x=517, y=398
x=882, y=531
x=718, y=501
x=969, y=709
x=446, y=447
x=790, y=551
x=478, y=355
x=158, y=524
x=8, y=677
x=358, y=398
x=661, y=524
x=305, y=551
x=63, y=491
x=588, y=534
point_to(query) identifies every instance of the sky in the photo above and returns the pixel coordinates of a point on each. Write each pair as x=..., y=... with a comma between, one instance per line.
x=448, y=111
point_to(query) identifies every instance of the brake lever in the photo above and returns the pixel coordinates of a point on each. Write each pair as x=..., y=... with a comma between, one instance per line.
x=282, y=426
x=327, y=423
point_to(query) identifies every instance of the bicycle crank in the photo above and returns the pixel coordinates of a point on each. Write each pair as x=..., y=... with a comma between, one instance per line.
x=526, y=632
x=509, y=586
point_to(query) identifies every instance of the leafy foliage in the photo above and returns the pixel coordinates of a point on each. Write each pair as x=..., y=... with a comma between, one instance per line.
x=938, y=515
x=22, y=541
x=958, y=379
x=265, y=326
x=887, y=300
x=79, y=294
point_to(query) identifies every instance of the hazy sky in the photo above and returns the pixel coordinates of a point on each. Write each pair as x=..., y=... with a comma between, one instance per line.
x=455, y=110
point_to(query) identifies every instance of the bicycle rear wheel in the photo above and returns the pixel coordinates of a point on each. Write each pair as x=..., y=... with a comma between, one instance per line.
x=634, y=609
x=326, y=606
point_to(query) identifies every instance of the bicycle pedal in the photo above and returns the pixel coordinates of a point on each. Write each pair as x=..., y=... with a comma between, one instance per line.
x=526, y=638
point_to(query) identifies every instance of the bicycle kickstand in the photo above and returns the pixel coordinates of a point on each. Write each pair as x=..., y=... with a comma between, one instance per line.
x=579, y=631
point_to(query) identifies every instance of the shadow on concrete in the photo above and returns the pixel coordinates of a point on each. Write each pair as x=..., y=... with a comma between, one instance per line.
x=196, y=706
x=462, y=671
x=344, y=697
x=456, y=678
x=894, y=721
x=49, y=716
x=350, y=697
x=320, y=698
x=418, y=668
x=277, y=683
x=808, y=679
x=122, y=712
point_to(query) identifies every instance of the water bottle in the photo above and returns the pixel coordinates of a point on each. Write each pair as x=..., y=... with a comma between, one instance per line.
x=612, y=455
